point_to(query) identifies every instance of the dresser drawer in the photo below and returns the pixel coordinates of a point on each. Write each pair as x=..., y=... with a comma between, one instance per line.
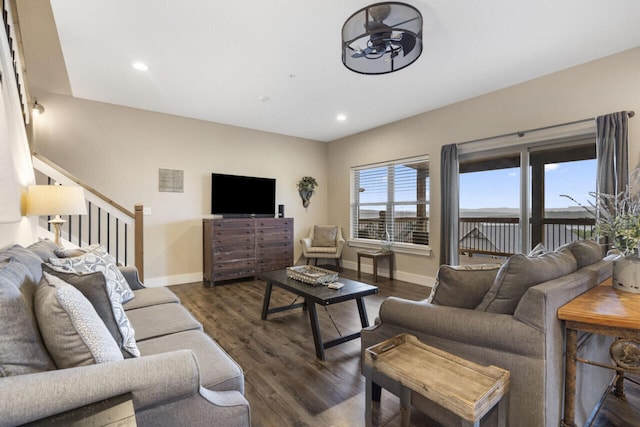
x=249, y=264
x=233, y=223
x=273, y=235
x=225, y=254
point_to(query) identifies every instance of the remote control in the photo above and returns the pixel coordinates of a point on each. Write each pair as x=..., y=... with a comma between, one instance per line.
x=335, y=285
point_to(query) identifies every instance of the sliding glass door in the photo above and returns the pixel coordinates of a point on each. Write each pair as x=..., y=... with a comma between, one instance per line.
x=514, y=198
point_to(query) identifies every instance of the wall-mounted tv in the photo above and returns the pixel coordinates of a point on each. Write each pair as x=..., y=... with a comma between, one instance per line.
x=242, y=196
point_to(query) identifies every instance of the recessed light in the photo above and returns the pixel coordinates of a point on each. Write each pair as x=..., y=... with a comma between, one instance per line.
x=341, y=117
x=140, y=66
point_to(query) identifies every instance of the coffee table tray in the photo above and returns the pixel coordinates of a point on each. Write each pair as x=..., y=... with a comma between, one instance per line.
x=312, y=275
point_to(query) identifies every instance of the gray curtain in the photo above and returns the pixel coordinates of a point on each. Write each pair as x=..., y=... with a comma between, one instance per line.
x=612, y=153
x=449, y=202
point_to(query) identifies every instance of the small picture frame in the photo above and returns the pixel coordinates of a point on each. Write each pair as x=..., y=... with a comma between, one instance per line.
x=170, y=181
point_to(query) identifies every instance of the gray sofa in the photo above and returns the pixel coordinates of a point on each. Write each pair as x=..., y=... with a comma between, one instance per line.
x=181, y=377
x=506, y=316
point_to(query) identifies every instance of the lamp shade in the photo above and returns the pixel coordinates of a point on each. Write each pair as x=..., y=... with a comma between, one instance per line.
x=382, y=38
x=56, y=200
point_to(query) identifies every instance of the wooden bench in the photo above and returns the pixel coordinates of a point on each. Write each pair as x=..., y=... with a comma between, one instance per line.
x=465, y=388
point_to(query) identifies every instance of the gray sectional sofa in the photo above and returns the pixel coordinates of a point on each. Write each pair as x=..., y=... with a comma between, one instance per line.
x=157, y=351
x=506, y=316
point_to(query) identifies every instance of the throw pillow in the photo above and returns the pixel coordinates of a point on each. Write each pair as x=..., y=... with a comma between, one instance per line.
x=586, y=252
x=21, y=348
x=26, y=257
x=462, y=286
x=324, y=236
x=538, y=250
x=98, y=260
x=44, y=248
x=70, y=326
x=521, y=272
x=72, y=252
x=107, y=304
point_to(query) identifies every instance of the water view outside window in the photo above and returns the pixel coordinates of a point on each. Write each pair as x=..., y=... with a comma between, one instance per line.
x=490, y=224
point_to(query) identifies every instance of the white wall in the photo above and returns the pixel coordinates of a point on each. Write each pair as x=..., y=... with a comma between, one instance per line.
x=16, y=171
x=119, y=150
x=600, y=87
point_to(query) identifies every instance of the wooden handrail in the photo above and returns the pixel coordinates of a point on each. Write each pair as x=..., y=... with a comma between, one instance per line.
x=101, y=203
x=81, y=184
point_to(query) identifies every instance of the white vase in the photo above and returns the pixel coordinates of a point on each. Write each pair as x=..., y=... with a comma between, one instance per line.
x=626, y=273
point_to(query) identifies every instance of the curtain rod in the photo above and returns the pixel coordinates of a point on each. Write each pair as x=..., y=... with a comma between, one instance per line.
x=523, y=133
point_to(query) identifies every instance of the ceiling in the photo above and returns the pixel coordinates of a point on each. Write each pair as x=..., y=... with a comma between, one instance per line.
x=275, y=65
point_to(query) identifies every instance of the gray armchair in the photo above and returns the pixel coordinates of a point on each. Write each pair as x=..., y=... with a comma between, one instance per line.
x=324, y=241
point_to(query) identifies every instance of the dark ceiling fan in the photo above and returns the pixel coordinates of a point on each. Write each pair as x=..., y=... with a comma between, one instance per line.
x=382, y=38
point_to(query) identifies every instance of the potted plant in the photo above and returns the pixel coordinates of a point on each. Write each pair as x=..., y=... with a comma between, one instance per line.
x=306, y=186
x=618, y=218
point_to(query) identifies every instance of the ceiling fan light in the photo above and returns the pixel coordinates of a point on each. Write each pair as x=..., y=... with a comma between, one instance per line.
x=386, y=29
x=380, y=11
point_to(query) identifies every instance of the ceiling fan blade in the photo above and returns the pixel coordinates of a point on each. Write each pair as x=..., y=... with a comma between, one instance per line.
x=363, y=52
x=408, y=42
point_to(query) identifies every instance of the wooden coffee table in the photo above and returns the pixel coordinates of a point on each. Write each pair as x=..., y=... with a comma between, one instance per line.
x=321, y=295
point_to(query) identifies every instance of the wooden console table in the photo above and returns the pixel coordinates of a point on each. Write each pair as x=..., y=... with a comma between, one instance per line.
x=465, y=388
x=601, y=310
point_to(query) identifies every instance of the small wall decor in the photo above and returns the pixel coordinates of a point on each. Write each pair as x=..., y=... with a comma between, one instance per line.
x=170, y=181
x=306, y=186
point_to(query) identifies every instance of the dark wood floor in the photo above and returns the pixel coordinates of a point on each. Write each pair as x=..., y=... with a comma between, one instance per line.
x=284, y=382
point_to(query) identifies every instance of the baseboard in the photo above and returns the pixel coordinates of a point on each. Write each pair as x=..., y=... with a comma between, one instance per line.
x=178, y=279
x=384, y=272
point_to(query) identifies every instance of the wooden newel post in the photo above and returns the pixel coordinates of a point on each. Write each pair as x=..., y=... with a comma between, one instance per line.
x=139, y=240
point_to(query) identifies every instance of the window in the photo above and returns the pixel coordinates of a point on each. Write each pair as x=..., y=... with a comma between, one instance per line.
x=393, y=198
x=512, y=201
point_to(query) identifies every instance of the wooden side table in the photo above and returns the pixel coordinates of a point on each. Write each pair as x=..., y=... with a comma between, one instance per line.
x=465, y=388
x=601, y=310
x=375, y=256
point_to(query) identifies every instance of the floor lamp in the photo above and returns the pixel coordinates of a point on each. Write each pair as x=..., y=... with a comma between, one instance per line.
x=56, y=200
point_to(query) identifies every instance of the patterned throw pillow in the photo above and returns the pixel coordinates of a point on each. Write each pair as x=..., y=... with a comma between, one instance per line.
x=106, y=303
x=70, y=326
x=98, y=259
x=71, y=252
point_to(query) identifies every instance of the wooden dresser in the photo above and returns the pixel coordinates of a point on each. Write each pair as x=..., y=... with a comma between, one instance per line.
x=242, y=247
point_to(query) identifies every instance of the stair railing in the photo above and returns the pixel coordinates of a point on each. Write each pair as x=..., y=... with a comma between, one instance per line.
x=107, y=223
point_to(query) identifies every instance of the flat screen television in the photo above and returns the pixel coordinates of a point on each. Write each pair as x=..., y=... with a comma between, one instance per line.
x=242, y=196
